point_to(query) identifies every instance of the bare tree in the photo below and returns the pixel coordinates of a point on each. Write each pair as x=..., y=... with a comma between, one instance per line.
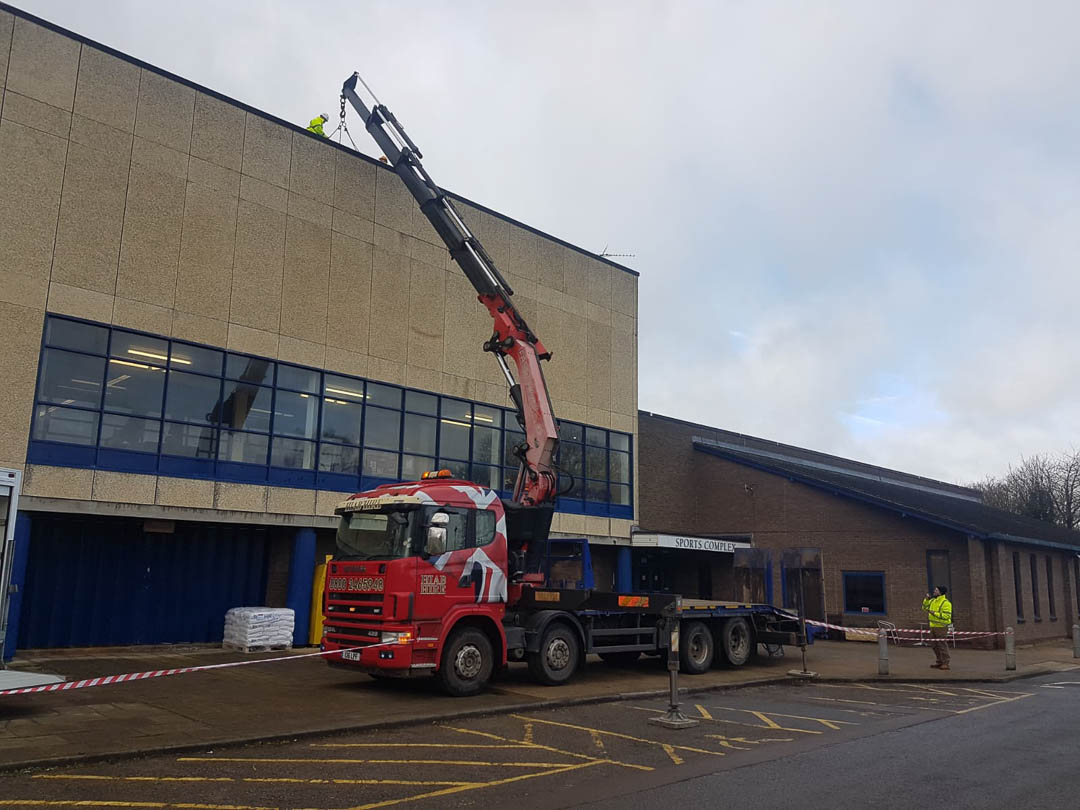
x=1042, y=487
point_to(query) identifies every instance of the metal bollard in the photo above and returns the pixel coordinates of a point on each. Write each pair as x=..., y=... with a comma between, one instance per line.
x=1076, y=641
x=1010, y=649
x=882, y=653
x=673, y=718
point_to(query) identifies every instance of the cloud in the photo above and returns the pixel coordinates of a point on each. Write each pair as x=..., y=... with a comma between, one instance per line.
x=829, y=204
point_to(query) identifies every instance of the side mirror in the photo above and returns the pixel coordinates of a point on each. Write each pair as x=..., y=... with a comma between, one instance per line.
x=436, y=534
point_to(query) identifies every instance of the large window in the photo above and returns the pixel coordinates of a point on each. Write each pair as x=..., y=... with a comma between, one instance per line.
x=117, y=399
x=1018, y=587
x=938, y=572
x=864, y=592
x=1050, y=587
x=1036, y=608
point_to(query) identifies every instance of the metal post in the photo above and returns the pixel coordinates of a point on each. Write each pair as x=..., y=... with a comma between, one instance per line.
x=673, y=718
x=1010, y=649
x=882, y=653
x=804, y=672
x=1076, y=641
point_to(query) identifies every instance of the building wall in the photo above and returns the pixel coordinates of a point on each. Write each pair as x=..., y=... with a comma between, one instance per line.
x=132, y=198
x=685, y=491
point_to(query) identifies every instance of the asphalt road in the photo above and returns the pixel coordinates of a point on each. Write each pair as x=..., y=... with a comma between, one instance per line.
x=810, y=745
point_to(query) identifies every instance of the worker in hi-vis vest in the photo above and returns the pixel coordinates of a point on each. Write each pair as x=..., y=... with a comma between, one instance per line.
x=316, y=125
x=939, y=610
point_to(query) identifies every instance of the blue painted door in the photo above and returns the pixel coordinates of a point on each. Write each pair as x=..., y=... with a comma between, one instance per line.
x=106, y=581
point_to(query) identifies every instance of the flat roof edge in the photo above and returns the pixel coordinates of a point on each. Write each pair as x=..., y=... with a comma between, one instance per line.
x=26, y=15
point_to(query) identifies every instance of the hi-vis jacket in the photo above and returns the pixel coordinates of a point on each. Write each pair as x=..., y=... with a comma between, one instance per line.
x=939, y=609
x=316, y=126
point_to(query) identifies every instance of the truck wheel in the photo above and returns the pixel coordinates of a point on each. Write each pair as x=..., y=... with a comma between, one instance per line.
x=736, y=641
x=695, y=648
x=557, y=659
x=620, y=659
x=467, y=661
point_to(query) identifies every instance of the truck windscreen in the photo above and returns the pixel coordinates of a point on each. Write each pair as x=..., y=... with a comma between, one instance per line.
x=375, y=536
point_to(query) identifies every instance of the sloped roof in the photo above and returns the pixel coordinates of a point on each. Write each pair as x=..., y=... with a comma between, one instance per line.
x=937, y=502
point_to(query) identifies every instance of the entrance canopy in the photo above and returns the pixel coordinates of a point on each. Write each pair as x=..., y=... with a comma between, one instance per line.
x=689, y=543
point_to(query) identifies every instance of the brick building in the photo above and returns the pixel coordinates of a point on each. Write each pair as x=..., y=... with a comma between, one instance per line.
x=216, y=325
x=865, y=542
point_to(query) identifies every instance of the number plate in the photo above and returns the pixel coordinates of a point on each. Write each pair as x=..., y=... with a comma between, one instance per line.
x=351, y=655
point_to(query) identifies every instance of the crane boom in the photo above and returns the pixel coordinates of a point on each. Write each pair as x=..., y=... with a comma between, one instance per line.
x=536, y=481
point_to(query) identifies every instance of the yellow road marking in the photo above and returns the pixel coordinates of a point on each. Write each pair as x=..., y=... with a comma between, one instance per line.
x=726, y=741
x=461, y=789
x=271, y=779
x=553, y=750
x=988, y=705
x=464, y=762
x=618, y=734
x=528, y=738
x=704, y=712
x=598, y=741
x=872, y=703
x=418, y=745
x=670, y=751
x=769, y=724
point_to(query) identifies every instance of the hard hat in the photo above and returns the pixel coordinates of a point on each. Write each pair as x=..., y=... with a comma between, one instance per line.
x=325, y=117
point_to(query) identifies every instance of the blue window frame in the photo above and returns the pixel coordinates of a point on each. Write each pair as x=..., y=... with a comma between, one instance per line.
x=864, y=592
x=116, y=399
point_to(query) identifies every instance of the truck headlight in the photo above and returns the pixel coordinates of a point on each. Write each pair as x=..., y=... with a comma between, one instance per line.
x=396, y=638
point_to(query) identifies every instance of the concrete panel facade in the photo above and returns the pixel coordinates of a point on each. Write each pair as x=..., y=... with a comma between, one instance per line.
x=131, y=197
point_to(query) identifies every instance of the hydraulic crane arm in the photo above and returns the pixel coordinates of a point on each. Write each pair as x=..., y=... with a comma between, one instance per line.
x=536, y=481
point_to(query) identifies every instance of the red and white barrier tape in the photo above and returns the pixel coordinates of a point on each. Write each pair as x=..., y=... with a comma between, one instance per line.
x=900, y=631
x=161, y=673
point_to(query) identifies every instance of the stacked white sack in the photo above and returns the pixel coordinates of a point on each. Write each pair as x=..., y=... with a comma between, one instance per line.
x=259, y=627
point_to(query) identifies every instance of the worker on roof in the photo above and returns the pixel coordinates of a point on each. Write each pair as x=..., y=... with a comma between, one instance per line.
x=316, y=125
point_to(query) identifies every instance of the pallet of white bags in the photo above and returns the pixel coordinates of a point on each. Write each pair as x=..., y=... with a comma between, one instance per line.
x=255, y=647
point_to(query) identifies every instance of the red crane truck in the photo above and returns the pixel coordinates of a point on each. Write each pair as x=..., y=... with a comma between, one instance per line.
x=443, y=576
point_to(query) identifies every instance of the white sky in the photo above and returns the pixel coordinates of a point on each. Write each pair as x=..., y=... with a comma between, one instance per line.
x=857, y=223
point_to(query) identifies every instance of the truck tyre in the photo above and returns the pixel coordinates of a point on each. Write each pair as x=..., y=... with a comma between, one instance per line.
x=736, y=641
x=695, y=648
x=558, y=657
x=467, y=662
x=620, y=659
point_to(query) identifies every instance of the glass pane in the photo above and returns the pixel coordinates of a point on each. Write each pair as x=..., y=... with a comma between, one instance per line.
x=72, y=335
x=511, y=439
x=193, y=441
x=249, y=369
x=937, y=564
x=300, y=379
x=380, y=464
x=454, y=438
x=570, y=459
x=344, y=388
x=487, y=445
x=619, y=441
x=419, y=436
x=140, y=348
x=458, y=469
x=296, y=414
x=595, y=462
x=577, y=487
x=456, y=409
x=338, y=459
x=510, y=419
x=485, y=527
x=421, y=403
x=571, y=432
x=412, y=467
x=620, y=494
x=381, y=428
x=486, y=416
x=134, y=388
x=596, y=491
x=53, y=424
x=341, y=420
x=71, y=379
x=864, y=591
x=295, y=454
x=192, y=398
x=130, y=433
x=246, y=406
x=596, y=437
x=510, y=475
x=620, y=467
x=195, y=358
x=384, y=395
x=486, y=476
x=248, y=448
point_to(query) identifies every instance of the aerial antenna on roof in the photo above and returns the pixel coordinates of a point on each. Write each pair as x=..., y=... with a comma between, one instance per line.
x=605, y=255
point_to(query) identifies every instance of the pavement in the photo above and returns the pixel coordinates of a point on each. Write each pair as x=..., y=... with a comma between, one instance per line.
x=291, y=699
